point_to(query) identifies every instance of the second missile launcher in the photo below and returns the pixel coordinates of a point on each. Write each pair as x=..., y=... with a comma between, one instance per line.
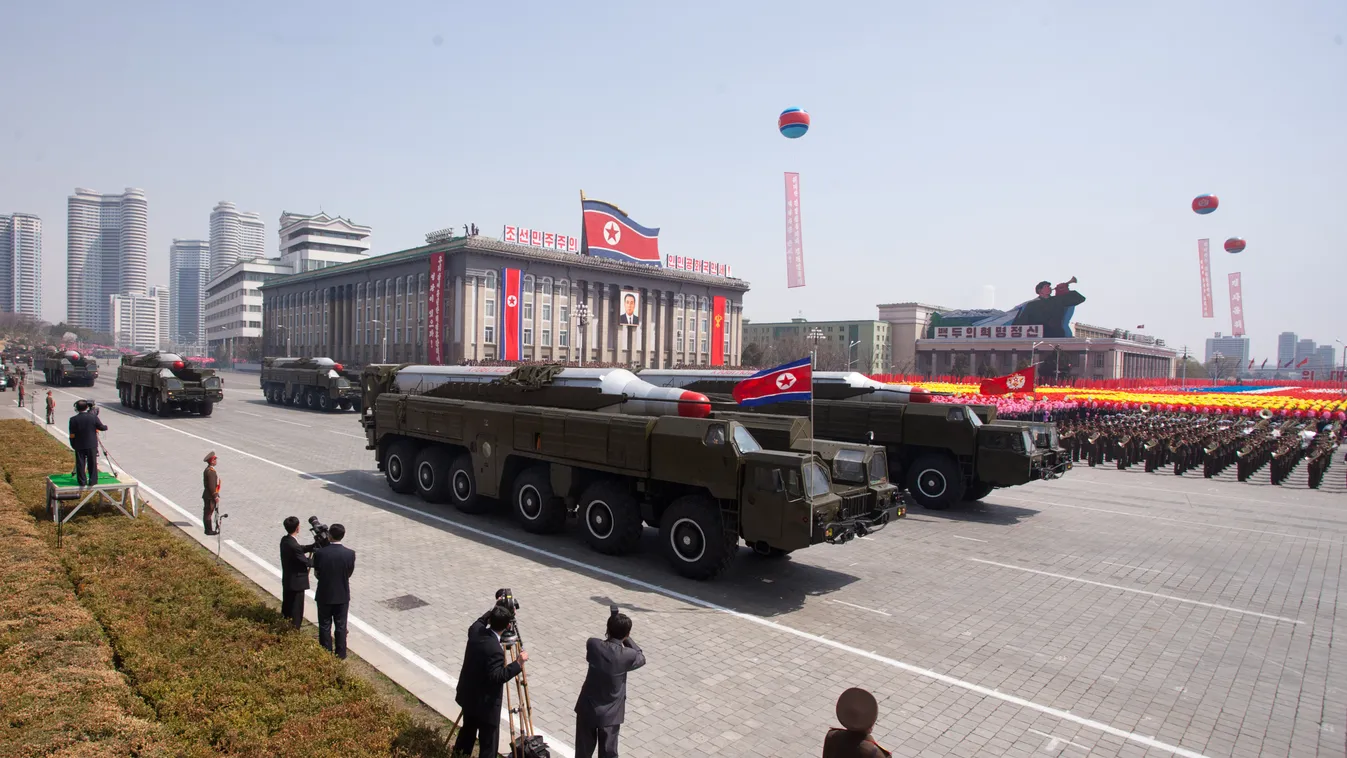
x=62, y=367
x=161, y=383
x=320, y=384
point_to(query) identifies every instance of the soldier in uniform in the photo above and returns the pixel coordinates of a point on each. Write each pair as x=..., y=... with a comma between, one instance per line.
x=51, y=408
x=857, y=711
x=210, y=494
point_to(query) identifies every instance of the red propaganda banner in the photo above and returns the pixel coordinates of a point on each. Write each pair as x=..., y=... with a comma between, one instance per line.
x=511, y=315
x=435, y=308
x=718, y=329
x=1236, y=305
x=1204, y=269
x=794, y=233
x=1020, y=381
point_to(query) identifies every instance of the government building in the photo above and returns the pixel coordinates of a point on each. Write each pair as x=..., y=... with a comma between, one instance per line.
x=474, y=298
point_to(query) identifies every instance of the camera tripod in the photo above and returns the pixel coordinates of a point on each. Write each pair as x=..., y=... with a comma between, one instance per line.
x=517, y=703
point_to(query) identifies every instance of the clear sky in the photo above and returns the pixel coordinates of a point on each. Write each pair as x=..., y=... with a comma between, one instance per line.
x=954, y=145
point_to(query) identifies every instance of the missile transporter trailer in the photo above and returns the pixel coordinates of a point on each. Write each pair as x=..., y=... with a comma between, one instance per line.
x=597, y=444
x=943, y=453
x=319, y=384
x=67, y=367
x=161, y=383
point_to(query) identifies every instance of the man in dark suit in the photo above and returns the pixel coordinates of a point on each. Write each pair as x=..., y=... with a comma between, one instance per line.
x=603, y=698
x=629, y=315
x=481, y=682
x=333, y=564
x=84, y=429
x=295, y=564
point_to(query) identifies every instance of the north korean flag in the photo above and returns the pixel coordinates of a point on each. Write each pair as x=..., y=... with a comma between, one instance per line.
x=511, y=315
x=789, y=381
x=610, y=233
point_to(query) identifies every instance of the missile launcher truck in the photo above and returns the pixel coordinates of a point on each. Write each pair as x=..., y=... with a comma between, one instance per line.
x=319, y=384
x=67, y=367
x=609, y=449
x=161, y=383
x=943, y=453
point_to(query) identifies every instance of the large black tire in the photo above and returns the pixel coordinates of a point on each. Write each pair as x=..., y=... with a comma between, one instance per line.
x=432, y=473
x=934, y=482
x=162, y=408
x=463, y=486
x=534, y=505
x=123, y=396
x=290, y=400
x=206, y=408
x=310, y=400
x=977, y=491
x=325, y=403
x=611, y=518
x=400, y=466
x=697, y=542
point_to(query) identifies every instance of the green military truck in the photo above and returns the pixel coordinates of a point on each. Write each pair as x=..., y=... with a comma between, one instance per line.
x=67, y=367
x=943, y=453
x=320, y=384
x=610, y=453
x=161, y=383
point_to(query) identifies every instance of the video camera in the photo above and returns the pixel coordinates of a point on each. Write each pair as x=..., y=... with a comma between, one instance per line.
x=321, y=536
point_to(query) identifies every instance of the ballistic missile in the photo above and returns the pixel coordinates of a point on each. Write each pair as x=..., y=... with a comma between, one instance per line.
x=831, y=385
x=631, y=394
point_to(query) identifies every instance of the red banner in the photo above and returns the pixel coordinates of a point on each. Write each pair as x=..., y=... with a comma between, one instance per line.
x=794, y=233
x=1236, y=305
x=435, y=309
x=1204, y=267
x=1020, y=381
x=718, y=327
x=511, y=315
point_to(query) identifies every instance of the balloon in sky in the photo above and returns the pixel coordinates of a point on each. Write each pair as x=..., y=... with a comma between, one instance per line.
x=1234, y=245
x=793, y=123
x=1205, y=204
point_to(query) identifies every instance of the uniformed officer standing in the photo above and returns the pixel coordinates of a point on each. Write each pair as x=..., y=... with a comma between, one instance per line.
x=210, y=494
x=51, y=408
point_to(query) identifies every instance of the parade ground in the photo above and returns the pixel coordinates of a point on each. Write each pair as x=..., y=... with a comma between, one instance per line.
x=1108, y=613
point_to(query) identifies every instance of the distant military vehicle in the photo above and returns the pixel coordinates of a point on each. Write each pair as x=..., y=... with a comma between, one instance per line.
x=8, y=378
x=944, y=453
x=161, y=383
x=67, y=367
x=318, y=383
x=610, y=449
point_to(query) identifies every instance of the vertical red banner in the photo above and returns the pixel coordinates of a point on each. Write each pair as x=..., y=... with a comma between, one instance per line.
x=1204, y=268
x=794, y=233
x=1236, y=305
x=435, y=310
x=511, y=315
x=717, y=331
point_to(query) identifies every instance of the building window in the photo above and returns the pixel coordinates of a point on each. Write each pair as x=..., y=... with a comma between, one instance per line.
x=678, y=338
x=704, y=324
x=421, y=309
x=704, y=350
x=678, y=303
x=1098, y=360
x=490, y=281
x=411, y=305
x=547, y=286
x=706, y=306
x=678, y=324
x=563, y=338
x=527, y=289
x=528, y=310
x=489, y=309
x=547, y=313
x=547, y=338
x=528, y=336
x=563, y=289
x=565, y=314
x=489, y=335
x=397, y=319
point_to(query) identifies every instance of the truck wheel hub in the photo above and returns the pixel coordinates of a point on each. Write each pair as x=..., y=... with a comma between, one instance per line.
x=688, y=540
x=426, y=474
x=530, y=504
x=395, y=467
x=932, y=483
x=462, y=487
x=599, y=519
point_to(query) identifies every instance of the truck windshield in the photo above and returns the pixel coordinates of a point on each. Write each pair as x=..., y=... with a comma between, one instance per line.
x=849, y=466
x=745, y=441
x=816, y=482
x=879, y=469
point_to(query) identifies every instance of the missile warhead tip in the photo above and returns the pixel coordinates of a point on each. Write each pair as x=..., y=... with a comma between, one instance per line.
x=694, y=405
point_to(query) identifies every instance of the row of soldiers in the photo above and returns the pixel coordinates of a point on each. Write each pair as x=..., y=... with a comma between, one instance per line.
x=1184, y=443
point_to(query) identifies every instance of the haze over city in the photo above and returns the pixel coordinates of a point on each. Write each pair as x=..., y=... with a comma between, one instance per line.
x=951, y=148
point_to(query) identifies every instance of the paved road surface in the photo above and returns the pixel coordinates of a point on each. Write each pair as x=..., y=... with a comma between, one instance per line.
x=1108, y=613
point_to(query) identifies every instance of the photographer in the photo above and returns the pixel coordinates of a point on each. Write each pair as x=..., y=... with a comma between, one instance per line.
x=603, y=698
x=481, y=681
x=295, y=564
x=333, y=565
x=84, y=429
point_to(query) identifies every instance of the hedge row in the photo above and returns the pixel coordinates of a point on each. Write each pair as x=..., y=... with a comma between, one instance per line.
x=223, y=671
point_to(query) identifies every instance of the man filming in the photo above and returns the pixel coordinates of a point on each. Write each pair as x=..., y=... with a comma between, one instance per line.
x=333, y=565
x=481, y=681
x=602, y=705
x=84, y=429
x=295, y=564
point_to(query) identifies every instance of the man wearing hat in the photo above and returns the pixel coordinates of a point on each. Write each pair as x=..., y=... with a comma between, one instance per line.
x=210, y=494
x=84, y=428
x=857, y=711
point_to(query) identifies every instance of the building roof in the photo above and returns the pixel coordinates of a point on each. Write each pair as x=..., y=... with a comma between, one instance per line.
x=913, y=305
x=508, y=250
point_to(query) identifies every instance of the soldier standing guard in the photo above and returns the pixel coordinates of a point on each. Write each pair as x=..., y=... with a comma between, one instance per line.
x=210, y=494
x=51, y=408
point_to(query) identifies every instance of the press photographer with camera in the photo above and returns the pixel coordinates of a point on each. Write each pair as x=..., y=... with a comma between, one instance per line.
x=333, y=565
x=84, y=429
x=481, y=681
x=602, y=706
x=295, y=564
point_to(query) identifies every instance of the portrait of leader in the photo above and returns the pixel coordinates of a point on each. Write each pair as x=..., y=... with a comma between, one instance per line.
x=630, y=314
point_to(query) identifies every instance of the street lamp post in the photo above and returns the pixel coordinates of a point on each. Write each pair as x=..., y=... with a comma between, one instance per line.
x=1184, y=381
x=287, y=338
x=383, y=338
x=1342, y=373
x=850, y=348
x=582, y=319
x=1033, y=355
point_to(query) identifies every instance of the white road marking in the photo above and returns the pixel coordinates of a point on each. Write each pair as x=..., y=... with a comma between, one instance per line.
x=861, y=607
x=1137, y=591
x=970, y=539
x=521, y=547
x=1055, y=741
x=277, y=420
x=1136, y=568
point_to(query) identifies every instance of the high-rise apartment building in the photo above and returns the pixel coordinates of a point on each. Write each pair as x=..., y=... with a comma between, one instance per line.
x=234, y=236
x=309, y=243
x=161, y=293
x=1305, y=351
x=134, y=321
x=1286, y=348
x=106, y=253
x=21, y=264
x=1231, y=348
x=1324, y=357
x=189, y=270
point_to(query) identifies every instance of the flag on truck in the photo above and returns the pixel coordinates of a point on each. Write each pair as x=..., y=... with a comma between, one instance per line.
x=789, y=381
x=1019, y=381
